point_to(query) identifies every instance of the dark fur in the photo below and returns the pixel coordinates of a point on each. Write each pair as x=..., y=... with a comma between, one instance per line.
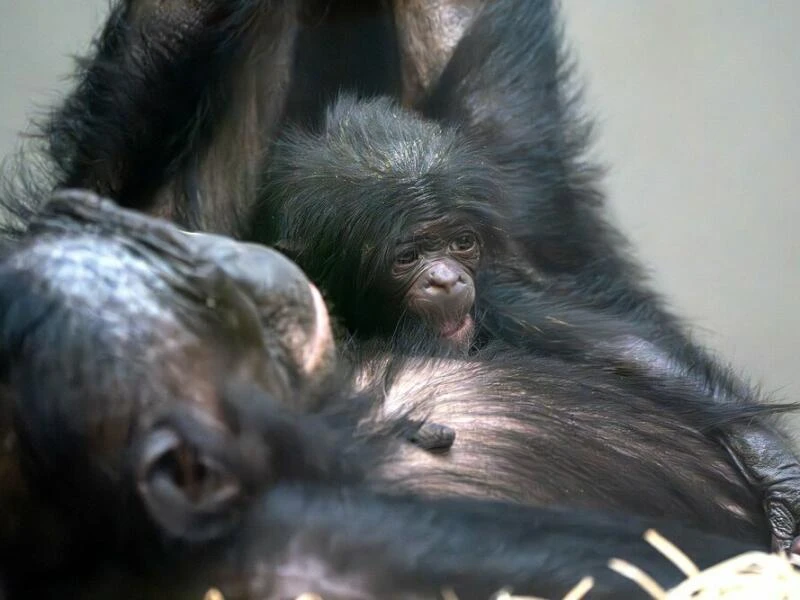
x=509, y=88
x=317, y=535
x=510, y=411
x=340, y=198
x=199, y=160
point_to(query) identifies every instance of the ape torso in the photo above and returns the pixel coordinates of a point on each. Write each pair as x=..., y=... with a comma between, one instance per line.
x=546, y=432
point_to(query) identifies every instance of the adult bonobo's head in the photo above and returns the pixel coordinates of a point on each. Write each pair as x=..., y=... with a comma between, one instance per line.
x=390, y=214
x=109, y=320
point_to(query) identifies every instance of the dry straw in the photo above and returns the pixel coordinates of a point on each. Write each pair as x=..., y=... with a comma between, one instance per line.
x=744, y=577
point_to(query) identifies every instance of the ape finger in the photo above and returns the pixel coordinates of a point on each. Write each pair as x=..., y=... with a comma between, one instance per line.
x=432, y=436
x=780, y=511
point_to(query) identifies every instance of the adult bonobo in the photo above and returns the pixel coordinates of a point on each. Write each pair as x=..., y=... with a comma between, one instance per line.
x=176, y=112
x=180, y=418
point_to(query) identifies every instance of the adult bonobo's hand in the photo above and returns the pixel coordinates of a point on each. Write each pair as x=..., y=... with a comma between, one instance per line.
x=766, y=461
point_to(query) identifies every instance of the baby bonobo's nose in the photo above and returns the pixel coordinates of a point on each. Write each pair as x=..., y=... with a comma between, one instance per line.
x=443, y=278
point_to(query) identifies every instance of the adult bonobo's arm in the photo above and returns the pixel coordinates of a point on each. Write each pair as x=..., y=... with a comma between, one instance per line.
x=508, y=85
x=172, y=112
x=175, y=111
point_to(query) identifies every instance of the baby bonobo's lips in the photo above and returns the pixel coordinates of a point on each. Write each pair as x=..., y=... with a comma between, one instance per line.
x=457, y=330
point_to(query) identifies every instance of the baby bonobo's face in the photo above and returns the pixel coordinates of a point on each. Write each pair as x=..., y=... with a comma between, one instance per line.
x=435, y=269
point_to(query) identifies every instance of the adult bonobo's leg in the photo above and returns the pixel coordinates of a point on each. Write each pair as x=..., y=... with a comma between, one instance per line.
x=508, y=85
x=172, y=112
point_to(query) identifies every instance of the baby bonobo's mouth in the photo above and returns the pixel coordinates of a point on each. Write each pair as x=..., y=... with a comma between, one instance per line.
x=459, y=332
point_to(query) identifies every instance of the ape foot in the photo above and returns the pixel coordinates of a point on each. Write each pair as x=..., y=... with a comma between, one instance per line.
x=433, y=437
x=764, y=458
x=783, y=512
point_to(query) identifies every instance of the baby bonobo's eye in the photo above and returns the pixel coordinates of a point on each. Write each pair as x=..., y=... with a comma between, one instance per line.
x=464, y=242
x=406, y=257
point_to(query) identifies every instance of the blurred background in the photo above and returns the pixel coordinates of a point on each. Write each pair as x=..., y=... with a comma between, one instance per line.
x=698, y=111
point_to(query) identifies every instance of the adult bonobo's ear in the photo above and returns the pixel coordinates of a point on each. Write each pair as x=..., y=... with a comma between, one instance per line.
x=191, y=477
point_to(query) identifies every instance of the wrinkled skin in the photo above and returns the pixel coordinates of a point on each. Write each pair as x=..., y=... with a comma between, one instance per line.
x=434, y=275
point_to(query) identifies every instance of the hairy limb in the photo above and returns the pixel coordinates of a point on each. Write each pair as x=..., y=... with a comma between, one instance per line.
x=176, y=111
x=172, y=113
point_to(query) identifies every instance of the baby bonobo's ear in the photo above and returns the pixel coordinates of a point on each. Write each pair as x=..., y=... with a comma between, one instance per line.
x=190, y=477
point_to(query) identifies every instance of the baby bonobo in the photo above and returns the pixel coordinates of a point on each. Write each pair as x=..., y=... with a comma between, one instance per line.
x=392, y=215
x=398, y=219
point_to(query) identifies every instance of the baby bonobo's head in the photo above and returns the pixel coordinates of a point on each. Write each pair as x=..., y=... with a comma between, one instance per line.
x=391, y=214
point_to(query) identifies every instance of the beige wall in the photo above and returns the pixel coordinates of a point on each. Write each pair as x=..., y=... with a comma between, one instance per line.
x=699, y=110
